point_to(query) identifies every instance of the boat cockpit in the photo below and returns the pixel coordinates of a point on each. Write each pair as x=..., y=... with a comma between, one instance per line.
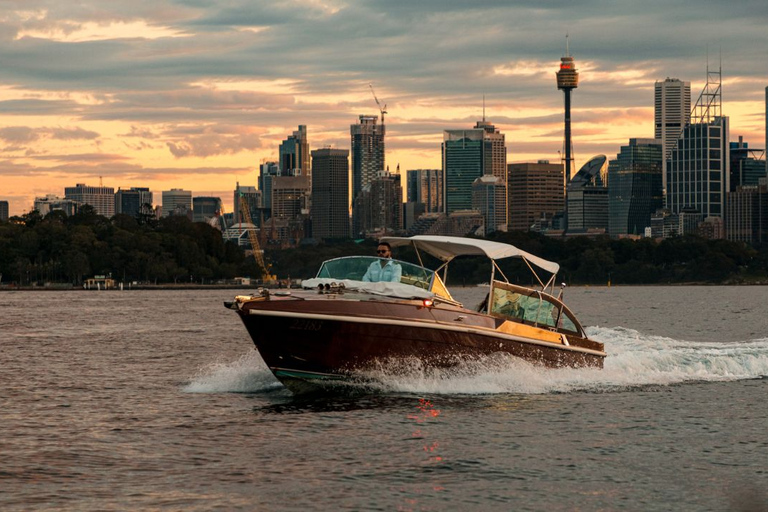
x=532, y=307
x=354, y=268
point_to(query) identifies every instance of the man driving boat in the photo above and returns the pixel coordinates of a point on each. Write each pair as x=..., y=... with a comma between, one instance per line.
x=385, y=269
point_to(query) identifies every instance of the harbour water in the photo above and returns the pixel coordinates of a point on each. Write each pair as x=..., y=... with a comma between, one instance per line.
x=141, y=400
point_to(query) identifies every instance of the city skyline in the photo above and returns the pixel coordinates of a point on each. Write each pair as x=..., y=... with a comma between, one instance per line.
x=170, y=95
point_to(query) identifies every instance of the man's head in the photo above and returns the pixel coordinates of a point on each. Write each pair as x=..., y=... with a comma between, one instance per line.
x=384, y=250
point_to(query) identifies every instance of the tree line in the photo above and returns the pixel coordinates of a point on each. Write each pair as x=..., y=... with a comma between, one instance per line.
x=61, y=249
x=583, y=260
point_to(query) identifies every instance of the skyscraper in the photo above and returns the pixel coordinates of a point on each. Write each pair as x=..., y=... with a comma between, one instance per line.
x=131, y=201
x=330, y=193
x=101, y=198
x=746, y=166
x=267, y=172
x=671, y=113
x=294, y=154
x=252, y=198
x=536, y=194
x=177, y=202
x=204, y=208
x=468, y=155
x=698, y=169
x=367, y=155
x=587, y=197
x=766, y=130
x=634, y=187
x=425, y=186
x=489, y=197
x=3, y=211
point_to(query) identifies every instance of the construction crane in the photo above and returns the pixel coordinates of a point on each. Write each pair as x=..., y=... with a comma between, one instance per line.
x=255, y=247
x=383, y=109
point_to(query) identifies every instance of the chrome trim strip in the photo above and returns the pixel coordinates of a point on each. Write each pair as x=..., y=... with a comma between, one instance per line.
x=423, y=325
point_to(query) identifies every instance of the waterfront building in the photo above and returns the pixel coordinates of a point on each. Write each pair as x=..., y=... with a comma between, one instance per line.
x=698, y=169
x=133, y=201
x=468, y=155
x=101, y=198
x=294, y=154
x=747, y=215
x=489, y=197
x=267, y=172
x=204, y=208
x=177, y=202
x=635, y=186
x=4, y=211
x=747, y=167
x=425, y=186
x=672, y=112
x=536, y=194
x=367, y=154
x=587, y=198
x=330, y=193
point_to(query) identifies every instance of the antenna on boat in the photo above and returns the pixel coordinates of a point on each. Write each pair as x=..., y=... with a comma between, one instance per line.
x=562, y=289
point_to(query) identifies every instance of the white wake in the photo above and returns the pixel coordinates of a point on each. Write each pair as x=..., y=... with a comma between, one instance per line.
x=633, y=360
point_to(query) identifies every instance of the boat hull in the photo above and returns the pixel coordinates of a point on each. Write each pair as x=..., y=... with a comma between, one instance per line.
x=327, y=340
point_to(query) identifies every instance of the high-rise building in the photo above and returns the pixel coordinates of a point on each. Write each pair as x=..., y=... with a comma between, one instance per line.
x=330, y=193
x=766, y=130
x=101, y=198
x=4, y=209
x=290, y=207
x=698, y=174
x=425, y=186
x=536, y=194
x=132, y=201
x=294, y=154
x=204, y=208
x=267, y=171
x=379, y=206
x=671, y=113
x=468, y=155
x=489, y=197
x=586, y=197
x=177, y=202
x=289, y=196
x=746, y=166
x=252, y=198
x=747, y=215
x=367, y=155
x=634, y=187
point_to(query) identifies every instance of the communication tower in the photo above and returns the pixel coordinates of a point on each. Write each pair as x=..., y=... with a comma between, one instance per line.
x=567, y=80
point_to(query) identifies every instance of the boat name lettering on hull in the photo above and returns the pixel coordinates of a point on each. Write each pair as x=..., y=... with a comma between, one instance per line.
x=304, y=324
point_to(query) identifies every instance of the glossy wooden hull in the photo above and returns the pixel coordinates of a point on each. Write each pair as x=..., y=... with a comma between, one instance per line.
x=309, y=336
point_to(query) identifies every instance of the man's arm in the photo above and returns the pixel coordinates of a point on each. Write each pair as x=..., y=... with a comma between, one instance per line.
x=397, y=272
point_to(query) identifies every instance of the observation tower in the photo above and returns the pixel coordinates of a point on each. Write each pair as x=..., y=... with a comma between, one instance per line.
x=567, y=80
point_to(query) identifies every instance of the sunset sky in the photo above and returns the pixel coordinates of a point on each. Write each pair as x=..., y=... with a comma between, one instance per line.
x=195, y=94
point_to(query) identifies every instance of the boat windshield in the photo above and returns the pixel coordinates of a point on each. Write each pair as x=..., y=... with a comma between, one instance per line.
x=532, y=307
x=356, y=267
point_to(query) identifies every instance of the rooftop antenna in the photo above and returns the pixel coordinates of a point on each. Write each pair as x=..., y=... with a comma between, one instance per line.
x=483, y=107
x=383, y=109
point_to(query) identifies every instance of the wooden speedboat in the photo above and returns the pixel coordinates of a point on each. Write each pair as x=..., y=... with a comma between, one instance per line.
x=338, y=326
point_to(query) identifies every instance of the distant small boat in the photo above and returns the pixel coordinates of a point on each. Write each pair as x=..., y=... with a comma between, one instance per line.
x=338, y=326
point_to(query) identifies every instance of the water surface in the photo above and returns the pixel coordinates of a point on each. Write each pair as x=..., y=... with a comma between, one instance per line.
x=155, y=400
